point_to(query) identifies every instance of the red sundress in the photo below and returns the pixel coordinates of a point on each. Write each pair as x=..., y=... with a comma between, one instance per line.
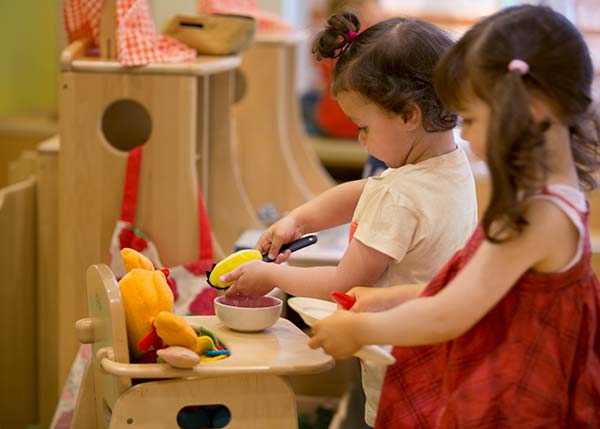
x=532, y=362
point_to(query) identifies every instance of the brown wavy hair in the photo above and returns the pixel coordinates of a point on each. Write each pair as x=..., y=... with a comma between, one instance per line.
x=390, y=63
x=560, y=72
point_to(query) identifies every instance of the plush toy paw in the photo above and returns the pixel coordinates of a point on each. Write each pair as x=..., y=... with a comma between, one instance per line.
x=179, y=357
x=174, y=331
x=229, y=264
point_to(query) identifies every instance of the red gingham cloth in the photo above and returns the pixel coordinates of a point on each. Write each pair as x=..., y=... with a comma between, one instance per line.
x=532, y=362
x=137, y=41
x=267, y=22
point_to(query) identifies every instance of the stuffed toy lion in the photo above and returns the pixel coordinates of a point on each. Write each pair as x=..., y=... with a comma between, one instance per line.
x=152, y=327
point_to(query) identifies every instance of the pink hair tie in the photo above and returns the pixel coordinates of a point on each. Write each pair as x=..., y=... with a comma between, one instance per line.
x=351, y=36
x=520, y=66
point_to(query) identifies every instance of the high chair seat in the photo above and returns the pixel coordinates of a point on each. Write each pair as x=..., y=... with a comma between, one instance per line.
x=247, y=382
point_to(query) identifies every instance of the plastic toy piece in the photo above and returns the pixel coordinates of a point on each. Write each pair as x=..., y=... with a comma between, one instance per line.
x=213, y=353
x=179, y=357
x=343, y=300
x=240, y=257
x=202, y=331
x=228, y=264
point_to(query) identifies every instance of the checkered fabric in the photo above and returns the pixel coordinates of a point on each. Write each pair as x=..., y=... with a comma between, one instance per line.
x=532, y=362
x=137, y=41
x=267, y=22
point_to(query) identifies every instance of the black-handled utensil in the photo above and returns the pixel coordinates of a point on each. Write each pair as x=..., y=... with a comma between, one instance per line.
x=298, y=244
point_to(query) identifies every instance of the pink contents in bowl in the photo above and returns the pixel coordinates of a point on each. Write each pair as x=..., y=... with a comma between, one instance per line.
x=249, y=301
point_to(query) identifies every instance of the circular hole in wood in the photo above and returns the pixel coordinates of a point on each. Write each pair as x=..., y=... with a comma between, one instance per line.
x=126, y=124
x=203, y=416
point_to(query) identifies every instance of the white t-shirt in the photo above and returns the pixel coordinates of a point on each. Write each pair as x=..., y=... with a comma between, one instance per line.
x=420, y=215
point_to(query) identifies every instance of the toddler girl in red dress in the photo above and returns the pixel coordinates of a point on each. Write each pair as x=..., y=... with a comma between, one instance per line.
x=506, y=335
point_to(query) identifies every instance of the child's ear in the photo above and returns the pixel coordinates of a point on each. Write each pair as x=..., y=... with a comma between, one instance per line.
x=413, y=119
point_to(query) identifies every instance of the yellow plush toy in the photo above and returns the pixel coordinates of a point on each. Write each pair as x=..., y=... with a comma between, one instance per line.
x=151, y=323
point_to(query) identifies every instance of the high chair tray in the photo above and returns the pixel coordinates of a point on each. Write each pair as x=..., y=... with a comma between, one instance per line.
x=281, y=349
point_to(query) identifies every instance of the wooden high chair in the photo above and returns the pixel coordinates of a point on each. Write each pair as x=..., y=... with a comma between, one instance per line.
x=248, y=382
x=181, y=113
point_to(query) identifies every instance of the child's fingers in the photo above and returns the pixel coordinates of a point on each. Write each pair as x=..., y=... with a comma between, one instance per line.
x=231, y=276
x=232, y=290
x=314, y=343
x=276, y=243
x=282, y=257
x=264, y=242
x=354, y=292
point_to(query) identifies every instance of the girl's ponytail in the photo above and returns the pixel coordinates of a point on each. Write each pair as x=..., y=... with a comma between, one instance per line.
x=585, y=141
x=515, y=156
x=519, y=51
x=339, y=32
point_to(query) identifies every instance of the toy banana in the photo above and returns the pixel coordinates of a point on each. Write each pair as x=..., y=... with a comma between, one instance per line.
x=228, y=264
x=240, y=257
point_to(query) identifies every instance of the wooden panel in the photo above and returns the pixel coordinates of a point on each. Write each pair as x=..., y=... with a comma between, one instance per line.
x=310, y=167
x=12, y=145
x=23, y=167
x=18, y=305
x=269, y=172
x=229, y=207
x=255, y=402
x=91, y=179
x=47, y=285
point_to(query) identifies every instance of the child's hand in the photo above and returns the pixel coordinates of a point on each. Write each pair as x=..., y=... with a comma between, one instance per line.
x=336, y=334
x=281, y=232
x=371, y=299
x=252, y=279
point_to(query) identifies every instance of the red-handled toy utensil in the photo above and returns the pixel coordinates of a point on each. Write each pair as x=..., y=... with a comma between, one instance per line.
x=343, y=300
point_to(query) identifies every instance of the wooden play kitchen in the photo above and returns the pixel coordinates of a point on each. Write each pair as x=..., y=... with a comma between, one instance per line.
x=249, y=383
x=181, y=114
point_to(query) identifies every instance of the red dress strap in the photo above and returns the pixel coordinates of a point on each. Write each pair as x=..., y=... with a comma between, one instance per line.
x=548, y=192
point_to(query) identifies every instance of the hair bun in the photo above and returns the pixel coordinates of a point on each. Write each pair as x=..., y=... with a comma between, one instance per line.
x=332, y=40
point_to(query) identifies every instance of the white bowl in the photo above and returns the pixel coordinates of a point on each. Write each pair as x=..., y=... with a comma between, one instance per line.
x=248, y=313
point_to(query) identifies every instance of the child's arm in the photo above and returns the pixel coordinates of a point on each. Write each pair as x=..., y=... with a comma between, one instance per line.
x=370, y=299
x=258, y=278
x=484, y=281
x=332, y=208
